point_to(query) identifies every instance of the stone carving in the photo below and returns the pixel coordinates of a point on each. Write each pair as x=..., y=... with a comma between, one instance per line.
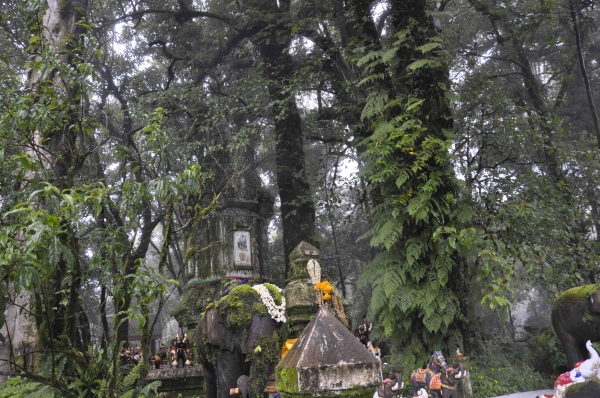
x=237, y=336
x=581, y=373
x=376, y=351
x=363, y=331
x=180, y=350
x=391, y=385
x=314, y=270
x=242, y=253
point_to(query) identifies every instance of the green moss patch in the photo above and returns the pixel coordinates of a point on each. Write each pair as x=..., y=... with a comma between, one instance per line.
x=583, y=389
x=239, y=305
x=358, y=392
x=576, y=294
x=275, y=293
x=263, y=360
x=286, y=379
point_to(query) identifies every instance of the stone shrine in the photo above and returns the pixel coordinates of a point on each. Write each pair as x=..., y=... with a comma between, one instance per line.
x=232, y=240
x=327, y=361
x=225, y=246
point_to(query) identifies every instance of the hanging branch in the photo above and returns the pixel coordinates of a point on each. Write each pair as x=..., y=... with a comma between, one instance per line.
x=586, y=80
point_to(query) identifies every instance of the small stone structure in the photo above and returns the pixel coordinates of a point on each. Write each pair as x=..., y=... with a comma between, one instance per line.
x=327, y=361
x=300, y=292
x=178, y=382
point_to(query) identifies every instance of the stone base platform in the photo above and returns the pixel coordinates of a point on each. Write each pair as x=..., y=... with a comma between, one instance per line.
x=179, y=382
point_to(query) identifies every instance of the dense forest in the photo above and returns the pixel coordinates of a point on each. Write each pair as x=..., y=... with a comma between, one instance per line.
x=442, y=154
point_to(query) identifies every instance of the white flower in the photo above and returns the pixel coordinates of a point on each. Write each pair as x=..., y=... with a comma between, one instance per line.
x=277, y=312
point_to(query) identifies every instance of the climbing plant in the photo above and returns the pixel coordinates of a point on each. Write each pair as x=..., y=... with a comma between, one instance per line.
x=418, y=222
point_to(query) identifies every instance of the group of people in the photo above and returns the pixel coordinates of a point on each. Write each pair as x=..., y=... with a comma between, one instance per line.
x=179, y=354
x=131, y=356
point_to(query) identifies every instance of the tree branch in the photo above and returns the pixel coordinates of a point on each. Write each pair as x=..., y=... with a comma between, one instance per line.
x=182, y=15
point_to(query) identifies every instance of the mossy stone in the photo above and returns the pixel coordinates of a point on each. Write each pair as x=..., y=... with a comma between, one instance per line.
x=239, y=304
x=589, y=389
x=358, y=392
x=576, y=294
x=286, y=379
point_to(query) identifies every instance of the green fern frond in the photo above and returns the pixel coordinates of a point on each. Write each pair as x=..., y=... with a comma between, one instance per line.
x=391, y=282
x=129, y=380
x=151, y=387
x=388, y=234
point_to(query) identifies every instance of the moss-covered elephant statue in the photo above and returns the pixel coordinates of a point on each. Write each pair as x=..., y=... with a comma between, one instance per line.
x=239, y=335
x=576, y=319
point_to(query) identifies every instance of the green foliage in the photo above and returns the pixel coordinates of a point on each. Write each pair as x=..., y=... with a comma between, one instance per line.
x=17, y=387
x=548, y=352
x=406, y=160
x=49, y=196
x=491, y=378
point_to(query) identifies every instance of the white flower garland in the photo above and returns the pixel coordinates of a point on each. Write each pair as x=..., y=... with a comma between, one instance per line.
x=277, y=312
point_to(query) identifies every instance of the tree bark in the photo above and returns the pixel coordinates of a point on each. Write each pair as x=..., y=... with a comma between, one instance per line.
x=586, y=80
x=297, y=207
x=56, y=151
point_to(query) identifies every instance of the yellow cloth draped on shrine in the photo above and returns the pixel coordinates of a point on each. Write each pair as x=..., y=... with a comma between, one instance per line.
x=289, y=343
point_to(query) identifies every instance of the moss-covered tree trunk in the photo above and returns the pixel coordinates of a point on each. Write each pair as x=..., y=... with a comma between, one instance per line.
x=297, y=207
x=58, y=151
x=417, y=278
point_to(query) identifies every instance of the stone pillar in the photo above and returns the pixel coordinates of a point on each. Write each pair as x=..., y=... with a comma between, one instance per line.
x=231, y=241
x=464, y=389
x=299, y=292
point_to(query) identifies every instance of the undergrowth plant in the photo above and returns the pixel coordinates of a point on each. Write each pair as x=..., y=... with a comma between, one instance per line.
x=490, y=378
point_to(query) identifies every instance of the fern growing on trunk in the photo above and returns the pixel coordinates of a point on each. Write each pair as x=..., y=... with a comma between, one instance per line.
x=416, y=278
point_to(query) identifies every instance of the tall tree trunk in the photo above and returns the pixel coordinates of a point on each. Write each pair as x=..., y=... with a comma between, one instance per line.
x=586, y=81
x=64, y=35
x=56, y=151
x=297, y=207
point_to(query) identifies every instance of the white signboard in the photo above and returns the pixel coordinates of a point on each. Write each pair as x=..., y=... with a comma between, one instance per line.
x=242, y=255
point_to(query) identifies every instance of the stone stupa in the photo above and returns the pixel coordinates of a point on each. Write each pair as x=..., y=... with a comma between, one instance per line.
x=328, y=361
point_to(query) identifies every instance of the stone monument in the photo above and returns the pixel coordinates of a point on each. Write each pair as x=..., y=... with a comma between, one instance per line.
x=232, y=240
x=299, y=291
x=589, y=389
x=328, y=361
x=226, y=245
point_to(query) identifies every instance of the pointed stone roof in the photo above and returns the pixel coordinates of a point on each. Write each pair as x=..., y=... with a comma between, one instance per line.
x=327, y=358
